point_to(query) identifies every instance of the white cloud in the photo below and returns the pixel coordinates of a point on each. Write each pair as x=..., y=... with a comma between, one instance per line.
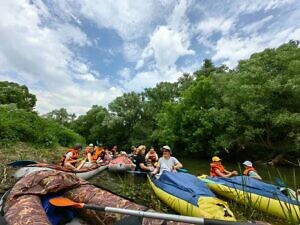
x=41, y=58
x=215, y=24
x=125, y=73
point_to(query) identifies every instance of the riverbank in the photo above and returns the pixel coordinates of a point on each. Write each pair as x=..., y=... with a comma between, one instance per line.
x=24, y=151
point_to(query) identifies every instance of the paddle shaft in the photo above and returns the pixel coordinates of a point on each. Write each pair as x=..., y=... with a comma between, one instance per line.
x=162, y=216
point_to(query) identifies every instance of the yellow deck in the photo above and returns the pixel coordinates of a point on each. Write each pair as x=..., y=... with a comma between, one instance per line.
x=208, y=207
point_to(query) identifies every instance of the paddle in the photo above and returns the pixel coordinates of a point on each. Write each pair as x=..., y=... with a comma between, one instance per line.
x=138, y=172
x=183, y=170
x=65, y=202
x=21, y=163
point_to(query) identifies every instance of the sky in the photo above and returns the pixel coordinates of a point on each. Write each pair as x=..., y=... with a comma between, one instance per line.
x=79, y=53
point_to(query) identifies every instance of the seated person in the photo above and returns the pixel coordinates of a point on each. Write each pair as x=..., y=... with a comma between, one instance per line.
x=152, y=157
x=89, y=150
x=218, y=170
x=250, y=171
x=114, y=151
x=71, y=158
x=167, y=162
x=140, y=162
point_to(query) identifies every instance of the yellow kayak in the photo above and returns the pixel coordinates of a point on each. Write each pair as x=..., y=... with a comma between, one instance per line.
x=185, y=195
x=260, y=195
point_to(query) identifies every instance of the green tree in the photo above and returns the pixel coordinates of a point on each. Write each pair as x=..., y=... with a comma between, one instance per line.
x=61, y=116
x=18, y=94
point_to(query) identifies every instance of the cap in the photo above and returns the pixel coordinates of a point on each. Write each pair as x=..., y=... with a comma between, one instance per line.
x=216, y=159
x=166, y=147
x=247, y=163
x=91, y=145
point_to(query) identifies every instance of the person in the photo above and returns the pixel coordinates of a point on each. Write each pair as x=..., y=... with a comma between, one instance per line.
x=133, y=154
x=140, y=163
x=218, y=170
x=250, y=171
x=167, y=162
x=89, y=151
x=71, y=158
x=98, y=154
x=114, y=151
x=152, y=157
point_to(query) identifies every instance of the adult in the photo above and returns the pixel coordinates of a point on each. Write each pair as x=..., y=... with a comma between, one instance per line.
x=89, y=151
x=151, y=157
x=250, y=170
x=140, y=163
x=98, y=154
x=218, y=170
x=167, y=162
x=114, y=151
x=71, y=158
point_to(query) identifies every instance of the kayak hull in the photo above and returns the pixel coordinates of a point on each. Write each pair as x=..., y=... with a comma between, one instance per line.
x=23, y=204
x=120, y=164
x=119, y=167
x=87, y=174
x=208, y=207
x=271, y=206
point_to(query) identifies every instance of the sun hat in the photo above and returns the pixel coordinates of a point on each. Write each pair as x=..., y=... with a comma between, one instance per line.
x=166, y=147
x=247, y=163
x=216, y=159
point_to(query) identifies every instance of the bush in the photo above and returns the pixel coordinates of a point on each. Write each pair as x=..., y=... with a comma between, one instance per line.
x=21, y=125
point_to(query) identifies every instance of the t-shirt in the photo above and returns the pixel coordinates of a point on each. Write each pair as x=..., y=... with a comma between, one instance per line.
x=166, y=164
x=138, y=160
x=69, y=155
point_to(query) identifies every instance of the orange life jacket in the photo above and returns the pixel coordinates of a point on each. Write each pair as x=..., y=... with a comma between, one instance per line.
x=74, y=156
x=214, y=167
x=97, y=153
x=246, y=171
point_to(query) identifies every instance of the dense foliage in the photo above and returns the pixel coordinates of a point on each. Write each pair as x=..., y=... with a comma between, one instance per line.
x=61, y=116
x=252, y=109
x=14, y=93
x=20, y=125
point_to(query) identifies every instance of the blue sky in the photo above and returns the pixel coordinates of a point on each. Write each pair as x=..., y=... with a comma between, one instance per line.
x=75, y=54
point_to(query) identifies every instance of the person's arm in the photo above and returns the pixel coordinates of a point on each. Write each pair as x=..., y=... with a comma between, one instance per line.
x=177, y=164
x=233, y=173
x=89, y=157
x=228, y=174
x=143, y=167
x=156, y=170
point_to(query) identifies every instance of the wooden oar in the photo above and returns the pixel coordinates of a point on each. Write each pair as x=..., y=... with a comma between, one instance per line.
x=21, y=163
x=64, y=202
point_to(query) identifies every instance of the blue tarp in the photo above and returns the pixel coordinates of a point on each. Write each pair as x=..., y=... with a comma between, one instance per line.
x=183, y=185
x=252, y=185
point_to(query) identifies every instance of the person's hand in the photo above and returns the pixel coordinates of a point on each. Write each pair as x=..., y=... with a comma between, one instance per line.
x=234, y=173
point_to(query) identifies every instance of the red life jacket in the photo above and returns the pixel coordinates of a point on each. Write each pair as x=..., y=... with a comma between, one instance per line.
x=74, y=157
x=214, y=167
x=246, y=171
x=152, y=156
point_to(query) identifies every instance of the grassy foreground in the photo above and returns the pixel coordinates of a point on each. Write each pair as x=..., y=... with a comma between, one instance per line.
x=23, y=151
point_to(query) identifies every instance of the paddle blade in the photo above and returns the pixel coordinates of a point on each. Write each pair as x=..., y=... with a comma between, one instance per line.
x=65, y=202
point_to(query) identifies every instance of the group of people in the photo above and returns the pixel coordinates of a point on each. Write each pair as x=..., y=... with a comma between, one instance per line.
x=151, y=163
x=144, y=162
x=218, y=170
x=92, y=154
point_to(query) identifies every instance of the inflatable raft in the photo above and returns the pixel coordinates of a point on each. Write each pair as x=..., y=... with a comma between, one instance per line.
x=260, y=195
x=189, y=196
x=84, y=173
x=24, y=203
x=120, y=164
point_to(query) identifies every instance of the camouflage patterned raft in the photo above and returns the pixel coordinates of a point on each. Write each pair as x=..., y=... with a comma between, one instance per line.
x=23, y=205
x=84, y=173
